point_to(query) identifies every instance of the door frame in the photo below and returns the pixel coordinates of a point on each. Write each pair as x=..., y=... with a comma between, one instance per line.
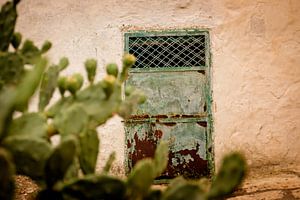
x=208, y=89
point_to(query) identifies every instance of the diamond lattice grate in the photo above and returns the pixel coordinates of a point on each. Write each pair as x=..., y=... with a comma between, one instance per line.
x=168, y=51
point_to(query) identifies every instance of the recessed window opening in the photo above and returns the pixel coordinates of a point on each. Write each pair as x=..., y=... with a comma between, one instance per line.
x=168, y=51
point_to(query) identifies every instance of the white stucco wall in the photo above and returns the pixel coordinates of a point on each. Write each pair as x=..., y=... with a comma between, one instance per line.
x=255, y=47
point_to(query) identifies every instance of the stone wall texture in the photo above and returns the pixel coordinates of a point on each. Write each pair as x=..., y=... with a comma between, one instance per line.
x=255, y=46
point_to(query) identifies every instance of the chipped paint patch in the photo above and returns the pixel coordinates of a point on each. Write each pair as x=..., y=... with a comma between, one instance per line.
x=187, y=143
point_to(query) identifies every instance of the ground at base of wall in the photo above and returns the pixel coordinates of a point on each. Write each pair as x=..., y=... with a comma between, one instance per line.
x=25, y=188
x=270, y=185
x=261, y=184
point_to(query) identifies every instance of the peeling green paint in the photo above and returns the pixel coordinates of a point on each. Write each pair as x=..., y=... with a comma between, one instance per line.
x=171, y=93
x=184, y=136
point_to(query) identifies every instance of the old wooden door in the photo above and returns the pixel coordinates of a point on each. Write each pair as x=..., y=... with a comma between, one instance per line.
x=173, y=70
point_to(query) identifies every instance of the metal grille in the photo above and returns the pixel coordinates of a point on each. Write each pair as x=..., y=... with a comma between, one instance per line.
x=168, y=51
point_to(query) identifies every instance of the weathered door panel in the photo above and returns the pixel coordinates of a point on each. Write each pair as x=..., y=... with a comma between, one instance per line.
x=169, y=93
x=187, y=143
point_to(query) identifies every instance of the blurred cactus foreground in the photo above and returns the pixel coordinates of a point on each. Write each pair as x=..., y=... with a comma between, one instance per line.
x=25, y=146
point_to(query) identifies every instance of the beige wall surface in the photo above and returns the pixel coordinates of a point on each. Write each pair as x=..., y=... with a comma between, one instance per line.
x=255, y=47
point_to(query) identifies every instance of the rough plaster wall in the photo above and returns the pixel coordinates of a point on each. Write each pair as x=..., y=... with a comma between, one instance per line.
x=256, y=62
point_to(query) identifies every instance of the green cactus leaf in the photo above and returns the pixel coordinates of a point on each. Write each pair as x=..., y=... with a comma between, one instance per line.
x=16, y=40
x=93, y=99
x=184, y=190
x=128, y=61
x=8, y=17
x=176, y=182
x=62, y=85
x=79, y=79
x=63, y=63
x=7, y=172
x=72, y=120
x=51, y=130
x=125, y=109
x=29, y=124
x=107, y=107
x=204, y=183
x=30, y=52
x=48, y=85
x=229, y=177
x=153, y=195
x=30, y=154
x=7, y=97
x=94, y=188
x=140, y=179
x=60, y=161
x=96, y=105
x=130, y=104
x=11, y=69
x=73, y=171
x=161, y=157
x=89, y=148
x=46, y=46
x=74, y=83
x=29, y=84
x=93, y=93
x=109, y=162
x=59, y=106
x=112, y=69
x=91, y=67
x=108, y=85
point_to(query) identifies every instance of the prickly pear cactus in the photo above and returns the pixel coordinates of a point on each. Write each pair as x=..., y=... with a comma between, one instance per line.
x=184, y=190
x=229, y=177
x=89, y=149
x=49, y=83
x=76, y=115
x=74, y=83
x=59, y=161
x=12, y=68
x=30, y=154
x=12, y=63
x=90, y=67
x=8, y=18
x=94, y=187
x=112, y=69
x=7, y=172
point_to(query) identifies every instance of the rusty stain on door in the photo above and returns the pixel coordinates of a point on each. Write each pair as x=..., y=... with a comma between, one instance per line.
x=177, y=110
